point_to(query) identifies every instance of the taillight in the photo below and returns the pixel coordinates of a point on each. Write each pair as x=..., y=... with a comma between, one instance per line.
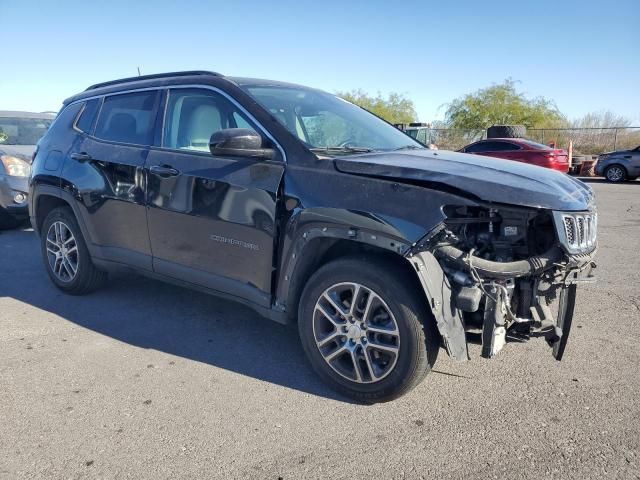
x=560, y=156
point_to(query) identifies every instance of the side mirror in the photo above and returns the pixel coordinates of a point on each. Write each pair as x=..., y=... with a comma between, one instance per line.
x=239, y=142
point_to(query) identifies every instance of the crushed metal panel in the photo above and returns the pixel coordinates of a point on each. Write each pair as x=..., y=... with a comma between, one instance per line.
x=448, y=317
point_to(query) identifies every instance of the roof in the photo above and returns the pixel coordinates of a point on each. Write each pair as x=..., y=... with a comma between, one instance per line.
x=262, y=82
x=171, y=78
x=139, y=78
x=19, y=114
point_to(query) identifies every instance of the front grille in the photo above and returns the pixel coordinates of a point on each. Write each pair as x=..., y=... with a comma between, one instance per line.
x=569, y=229
x=577, y=231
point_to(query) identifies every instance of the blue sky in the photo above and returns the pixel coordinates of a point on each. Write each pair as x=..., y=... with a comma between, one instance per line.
x=585, y=55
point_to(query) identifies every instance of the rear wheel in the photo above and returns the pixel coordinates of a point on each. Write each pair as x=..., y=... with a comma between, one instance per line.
x=361, y=326
x=615, y=173
x=66, y=255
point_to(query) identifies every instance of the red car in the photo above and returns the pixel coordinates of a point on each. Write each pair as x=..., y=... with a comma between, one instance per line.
x=521, y=150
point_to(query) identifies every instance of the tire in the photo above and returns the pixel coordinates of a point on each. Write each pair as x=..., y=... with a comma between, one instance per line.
x=57, y=227
x=615, y=173
x=506, y=131
x=7, y=220
x=397, y=306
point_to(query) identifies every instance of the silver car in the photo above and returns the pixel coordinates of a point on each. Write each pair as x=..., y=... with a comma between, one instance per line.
x=619, y=166
x=19, y=133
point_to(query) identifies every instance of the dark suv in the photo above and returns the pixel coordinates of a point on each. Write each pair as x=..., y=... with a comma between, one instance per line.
x=311, y=210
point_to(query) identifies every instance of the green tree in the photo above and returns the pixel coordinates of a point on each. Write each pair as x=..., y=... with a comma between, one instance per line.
x=395, y=108
x=502, y=104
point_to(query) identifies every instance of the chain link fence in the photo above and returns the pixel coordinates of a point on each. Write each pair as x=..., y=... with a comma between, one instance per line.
x=449, y=138
x=590, y=141
x=587, y=141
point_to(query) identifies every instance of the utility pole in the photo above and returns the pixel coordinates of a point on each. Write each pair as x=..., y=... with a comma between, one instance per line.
x=139, y=72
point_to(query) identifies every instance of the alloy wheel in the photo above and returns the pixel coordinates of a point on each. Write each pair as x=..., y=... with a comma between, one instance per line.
x=62, y=252
x=615, y=174
x=356, y=332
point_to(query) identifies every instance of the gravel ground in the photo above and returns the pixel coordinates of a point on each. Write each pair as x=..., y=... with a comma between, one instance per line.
x=146, y=380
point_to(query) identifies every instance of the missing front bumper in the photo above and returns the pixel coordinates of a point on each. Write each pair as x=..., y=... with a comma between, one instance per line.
x=540, y=316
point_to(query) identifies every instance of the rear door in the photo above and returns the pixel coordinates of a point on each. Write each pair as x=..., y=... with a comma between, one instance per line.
x=108, y=163
x=211, y=219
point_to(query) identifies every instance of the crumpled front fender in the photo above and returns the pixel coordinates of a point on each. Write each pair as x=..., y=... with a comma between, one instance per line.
x=437, y=288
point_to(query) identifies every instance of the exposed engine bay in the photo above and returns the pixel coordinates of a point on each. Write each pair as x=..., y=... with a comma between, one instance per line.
x=508, y=274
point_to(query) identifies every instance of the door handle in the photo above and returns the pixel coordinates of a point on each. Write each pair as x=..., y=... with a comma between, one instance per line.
x=81, y=156
x=164, y=171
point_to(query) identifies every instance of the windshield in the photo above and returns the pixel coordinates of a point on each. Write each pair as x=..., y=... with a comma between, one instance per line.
x=22, y=131
x=324, y=121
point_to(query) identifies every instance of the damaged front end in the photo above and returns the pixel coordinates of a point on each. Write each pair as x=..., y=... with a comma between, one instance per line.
x=505, y=274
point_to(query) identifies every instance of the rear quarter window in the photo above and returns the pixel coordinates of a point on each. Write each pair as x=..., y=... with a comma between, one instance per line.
x=88, y=115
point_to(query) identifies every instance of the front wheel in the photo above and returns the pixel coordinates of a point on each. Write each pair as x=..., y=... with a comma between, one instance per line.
x=615, y=173
x=366, y=330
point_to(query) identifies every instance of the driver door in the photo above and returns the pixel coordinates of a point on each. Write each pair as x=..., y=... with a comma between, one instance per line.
x=211, y=219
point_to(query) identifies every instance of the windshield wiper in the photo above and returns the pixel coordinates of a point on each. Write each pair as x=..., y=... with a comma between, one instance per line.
x=341, y=150
x=409, y=147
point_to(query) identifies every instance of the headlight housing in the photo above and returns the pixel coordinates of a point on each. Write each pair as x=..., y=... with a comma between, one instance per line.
x=15, y=167
x=577, y=231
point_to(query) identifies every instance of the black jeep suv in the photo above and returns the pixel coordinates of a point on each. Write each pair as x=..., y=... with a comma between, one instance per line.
x=311, y=210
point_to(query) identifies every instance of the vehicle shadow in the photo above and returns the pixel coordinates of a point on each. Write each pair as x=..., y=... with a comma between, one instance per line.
x=602, y=180
x=151, y=314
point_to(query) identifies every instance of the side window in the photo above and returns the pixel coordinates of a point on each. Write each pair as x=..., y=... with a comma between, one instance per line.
x=193, y=115
x=127, y=118
x=479, y=147
x=422, y=136
x=88, y=115
x=506, y=146
x=241, y=122
x=492, y=147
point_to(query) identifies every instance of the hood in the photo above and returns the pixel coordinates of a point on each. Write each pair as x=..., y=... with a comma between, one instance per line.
x=488, y=179
x=23, y=152
x=617, y=152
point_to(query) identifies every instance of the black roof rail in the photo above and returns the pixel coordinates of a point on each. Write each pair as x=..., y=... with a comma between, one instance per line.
x=151, y=77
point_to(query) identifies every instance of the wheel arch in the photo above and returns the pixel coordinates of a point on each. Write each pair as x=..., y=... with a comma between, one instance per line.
x=45, y=204
x=45, y=198
x=317, y=247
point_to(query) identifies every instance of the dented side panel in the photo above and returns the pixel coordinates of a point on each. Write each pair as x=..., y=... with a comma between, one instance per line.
x=320, y=202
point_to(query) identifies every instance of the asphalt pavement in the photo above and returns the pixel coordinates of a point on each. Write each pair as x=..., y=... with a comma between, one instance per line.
x=147, y=380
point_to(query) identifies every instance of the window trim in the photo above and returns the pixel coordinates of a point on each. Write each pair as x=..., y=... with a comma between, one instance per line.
x=165, y=88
